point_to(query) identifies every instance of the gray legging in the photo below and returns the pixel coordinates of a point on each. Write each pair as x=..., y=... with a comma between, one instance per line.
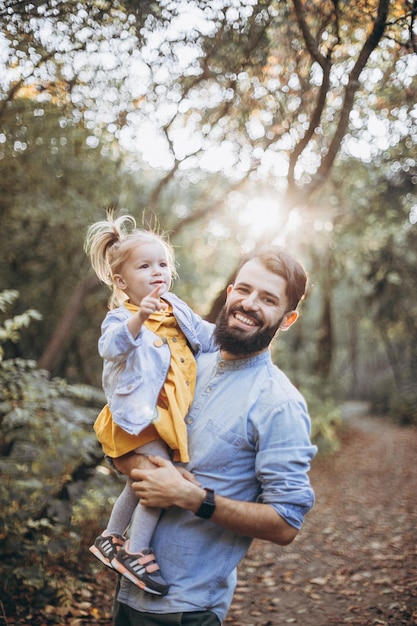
x=127, y=510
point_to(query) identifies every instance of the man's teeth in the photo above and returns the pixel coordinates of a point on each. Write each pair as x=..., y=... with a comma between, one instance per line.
x=244, y=320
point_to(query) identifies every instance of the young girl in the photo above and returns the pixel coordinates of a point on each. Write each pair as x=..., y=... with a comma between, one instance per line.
x=149, y=342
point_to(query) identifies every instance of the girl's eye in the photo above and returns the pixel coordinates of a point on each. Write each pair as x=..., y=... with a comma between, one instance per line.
x=144, y=266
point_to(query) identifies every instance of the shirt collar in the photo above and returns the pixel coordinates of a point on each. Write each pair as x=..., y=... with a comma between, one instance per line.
x=237, y=364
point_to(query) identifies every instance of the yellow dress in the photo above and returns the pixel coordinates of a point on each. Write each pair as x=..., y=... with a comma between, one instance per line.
x=174, y=399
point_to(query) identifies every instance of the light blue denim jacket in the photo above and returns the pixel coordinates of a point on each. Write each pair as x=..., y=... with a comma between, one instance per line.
x=135, y=370
x=249, y=439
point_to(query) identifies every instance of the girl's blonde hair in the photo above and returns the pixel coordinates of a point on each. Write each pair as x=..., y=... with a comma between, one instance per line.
x=110, y=242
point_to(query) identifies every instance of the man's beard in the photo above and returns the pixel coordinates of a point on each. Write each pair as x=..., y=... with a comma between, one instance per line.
x=234, y=341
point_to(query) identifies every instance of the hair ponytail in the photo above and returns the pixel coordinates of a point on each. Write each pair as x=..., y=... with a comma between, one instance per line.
x=101, y=242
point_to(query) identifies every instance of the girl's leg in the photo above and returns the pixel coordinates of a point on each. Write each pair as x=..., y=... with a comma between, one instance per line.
x=111, y=539
x=123, y=510
x=145, y=519
x=136, y=560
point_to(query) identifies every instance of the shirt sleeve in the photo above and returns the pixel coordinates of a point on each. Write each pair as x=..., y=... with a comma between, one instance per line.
x=116, y=340
x=283, y=461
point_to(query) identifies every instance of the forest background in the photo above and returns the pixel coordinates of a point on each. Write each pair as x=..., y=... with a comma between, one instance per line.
x=226, y=123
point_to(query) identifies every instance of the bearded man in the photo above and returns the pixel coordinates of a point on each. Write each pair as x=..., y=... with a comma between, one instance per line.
x=250, y=449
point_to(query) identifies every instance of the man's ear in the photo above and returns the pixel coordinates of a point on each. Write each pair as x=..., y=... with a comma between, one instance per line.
x=289, y=319
x=229, y=289
x=119, y=281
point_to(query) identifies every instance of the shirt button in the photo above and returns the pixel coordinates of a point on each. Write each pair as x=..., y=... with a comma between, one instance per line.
x=221, y=364
x=174, y=339
x=182, y=360
x=187, y=382
x=158, y=343
x=189, y=420
x=208, y=389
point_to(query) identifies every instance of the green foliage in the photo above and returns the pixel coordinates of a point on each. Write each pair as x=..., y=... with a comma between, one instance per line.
x=325, y=414
x=399, y=403
x=9, y=331
x=60, y=187
x=325, y=417
x=403, y=405
x=51, y=494
x=324, y=404
x=374, y=280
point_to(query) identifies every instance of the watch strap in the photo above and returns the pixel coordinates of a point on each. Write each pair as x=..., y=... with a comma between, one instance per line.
x=208, y=506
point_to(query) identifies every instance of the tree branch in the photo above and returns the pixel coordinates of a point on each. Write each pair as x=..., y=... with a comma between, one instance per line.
x=351, y=89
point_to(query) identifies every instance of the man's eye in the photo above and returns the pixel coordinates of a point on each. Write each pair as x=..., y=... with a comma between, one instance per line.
x=270, y=301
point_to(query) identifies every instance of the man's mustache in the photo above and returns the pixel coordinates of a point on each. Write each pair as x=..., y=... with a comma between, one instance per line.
x=248, y=313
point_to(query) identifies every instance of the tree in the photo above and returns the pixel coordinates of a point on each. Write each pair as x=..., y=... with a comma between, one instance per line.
x=371, y=245
x=245, y=97
x=272, y=80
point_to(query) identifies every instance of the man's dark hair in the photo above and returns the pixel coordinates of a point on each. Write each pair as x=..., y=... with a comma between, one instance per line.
x=277, y=260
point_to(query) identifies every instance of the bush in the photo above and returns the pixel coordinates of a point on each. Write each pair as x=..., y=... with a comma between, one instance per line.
x=52, y=497
x=325, y=414
x=403, y=405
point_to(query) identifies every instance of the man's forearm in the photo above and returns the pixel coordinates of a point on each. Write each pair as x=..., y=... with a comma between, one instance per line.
x=163, y=487
x=251, y=519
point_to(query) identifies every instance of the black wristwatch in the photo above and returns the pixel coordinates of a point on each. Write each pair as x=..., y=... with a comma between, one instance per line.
x=207, y=507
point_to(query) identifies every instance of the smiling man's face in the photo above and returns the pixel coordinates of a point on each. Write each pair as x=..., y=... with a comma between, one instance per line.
x=256, y=306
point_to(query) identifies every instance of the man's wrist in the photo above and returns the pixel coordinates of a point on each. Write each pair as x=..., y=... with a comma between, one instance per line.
x=190, y=497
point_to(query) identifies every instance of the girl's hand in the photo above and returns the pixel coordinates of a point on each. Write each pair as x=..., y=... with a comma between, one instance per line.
x=152, y=303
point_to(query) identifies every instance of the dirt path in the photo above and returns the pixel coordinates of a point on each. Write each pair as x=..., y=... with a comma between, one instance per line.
x=355, y=561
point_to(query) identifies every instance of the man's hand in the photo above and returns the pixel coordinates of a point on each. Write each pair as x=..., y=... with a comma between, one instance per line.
x=188, y=475
x=164, y=486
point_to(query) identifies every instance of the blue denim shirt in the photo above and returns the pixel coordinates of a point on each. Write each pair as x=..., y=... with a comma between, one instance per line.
x=249, y=439
x=135, y=370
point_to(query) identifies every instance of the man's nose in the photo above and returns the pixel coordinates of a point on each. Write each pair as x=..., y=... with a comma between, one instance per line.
x=251, y=301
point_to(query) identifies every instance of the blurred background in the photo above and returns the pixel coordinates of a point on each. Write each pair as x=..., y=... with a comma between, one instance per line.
x=227, y=124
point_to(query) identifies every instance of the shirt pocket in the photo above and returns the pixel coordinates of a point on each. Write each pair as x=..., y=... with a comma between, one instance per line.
x=128, y=386
x=226, y=448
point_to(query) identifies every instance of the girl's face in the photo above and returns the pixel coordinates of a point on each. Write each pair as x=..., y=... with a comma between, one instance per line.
x=145, y=269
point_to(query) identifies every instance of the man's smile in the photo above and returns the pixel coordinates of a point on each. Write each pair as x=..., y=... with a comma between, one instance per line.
x=245, y=320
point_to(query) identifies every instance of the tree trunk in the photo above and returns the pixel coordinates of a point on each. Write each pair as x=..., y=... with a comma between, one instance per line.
x=63, y=330
x=325, y=341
